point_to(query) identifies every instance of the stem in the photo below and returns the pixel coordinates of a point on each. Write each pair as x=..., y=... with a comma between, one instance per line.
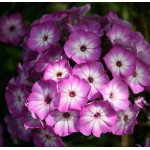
x=125, y=140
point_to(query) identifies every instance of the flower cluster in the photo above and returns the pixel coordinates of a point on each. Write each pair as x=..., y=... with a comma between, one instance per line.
x=68, y=82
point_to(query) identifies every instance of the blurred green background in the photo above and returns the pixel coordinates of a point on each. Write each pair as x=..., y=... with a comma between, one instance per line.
x=137, y=13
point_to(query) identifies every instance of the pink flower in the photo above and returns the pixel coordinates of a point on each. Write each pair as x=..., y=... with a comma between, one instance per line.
x=12, y=29
x=121, y=35
x=43, y=36
x=117, y=93
x=141, y=103
x=57, y=70
x=30, y=120
x=54, y=53
x=83, y=46
x=140, y=78
x=74, y=92
x=47, y=138
x=93, y=73
x=120, y=62
x=97, y=117
x=44, y=98
x=64, y=123
x=126, y=120
x=16, y=96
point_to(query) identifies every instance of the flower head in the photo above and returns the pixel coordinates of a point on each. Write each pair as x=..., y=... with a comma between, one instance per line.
x=12, y=29
x=120, y=35
x=46, y=137
x=140, y=78
x=44, y=98
x=117, y=93
x=74, y=92
x=126, y=120
x=97, y=117
x=83, y=46
x=57, y=70
x=29, y=121
x=93, y=73
x=65, y=123
x=54, y=53
x=43, y=36
x=16, y=96
x=120, y=62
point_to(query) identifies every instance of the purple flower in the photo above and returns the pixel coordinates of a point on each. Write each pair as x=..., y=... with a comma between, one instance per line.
x=94, y=27
x=17, y=130
x=16, y=96
x=43, y=36
x=64, y=123
x=78, y=12
x=83, y=46
x=11, y=129
x=46, y=137
x=44, y=98
x=114, y=19
x=140, y=79
x=73, y=93
x=126, y=120
x=56, y=17
x=120, y=62
x=97, y=117
x=117, y=93
x=57, y=70
x=120, y=35
x=142, y=48
x=12, y=29
x=54, y=53
x=93, y=73
x=30, y=120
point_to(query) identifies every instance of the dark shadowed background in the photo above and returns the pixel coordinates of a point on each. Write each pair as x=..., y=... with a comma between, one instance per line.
x=137, y=13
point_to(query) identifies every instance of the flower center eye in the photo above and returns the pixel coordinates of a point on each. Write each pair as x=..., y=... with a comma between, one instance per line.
x=59, y=74
x=19, y=98
x=66, y=115
x=97, y=115
x=45, y=37
x=72, y=94
x=48, y=100
x=118, y=63
x=135, y=74
x=111, y=95
x=83, y=48
x=90, y=79
x=125, y=118
x=12, y=28
x=47, y=136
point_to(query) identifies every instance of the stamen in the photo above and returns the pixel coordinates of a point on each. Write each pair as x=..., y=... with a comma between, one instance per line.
x=66, y=115
x=72, y=94
x=83, y=48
